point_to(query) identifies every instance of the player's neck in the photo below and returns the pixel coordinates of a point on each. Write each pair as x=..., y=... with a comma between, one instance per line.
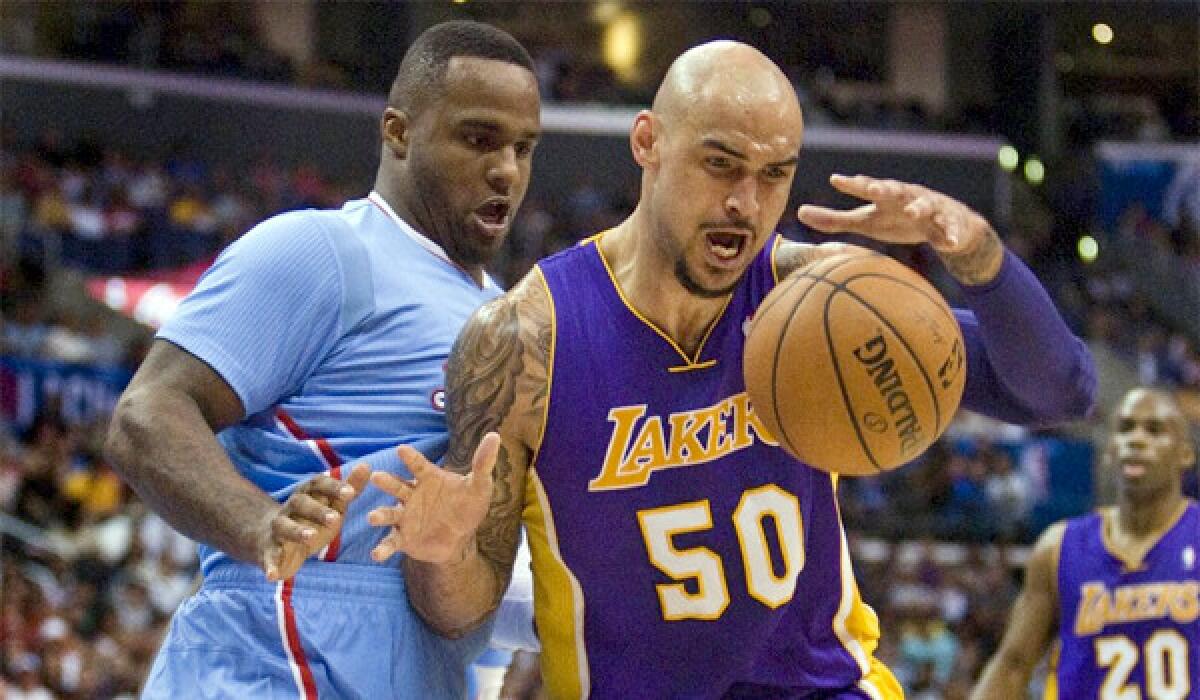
x=650, y=287
x=424, y=227
x=1151, y=516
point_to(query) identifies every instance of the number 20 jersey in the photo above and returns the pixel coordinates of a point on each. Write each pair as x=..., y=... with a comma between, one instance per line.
x=677, y=551
x=1129, y=629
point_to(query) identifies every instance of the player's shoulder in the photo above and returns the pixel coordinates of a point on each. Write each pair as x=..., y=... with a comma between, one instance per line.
x=1052, y=536
x=525, y=307
x=297, y=230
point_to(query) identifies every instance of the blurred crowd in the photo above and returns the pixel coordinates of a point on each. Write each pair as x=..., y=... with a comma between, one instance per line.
x=102, y=210
x=88, y=578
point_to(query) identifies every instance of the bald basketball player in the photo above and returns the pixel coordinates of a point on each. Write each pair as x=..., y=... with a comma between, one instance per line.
x=677, y=551
x=1120, y=587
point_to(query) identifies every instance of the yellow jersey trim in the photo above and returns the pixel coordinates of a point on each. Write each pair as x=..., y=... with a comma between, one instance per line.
x=690, y=363
x=549, y=366
x=1050, y=689
x=558, y=602
x=1109, y=520
x=857, y=626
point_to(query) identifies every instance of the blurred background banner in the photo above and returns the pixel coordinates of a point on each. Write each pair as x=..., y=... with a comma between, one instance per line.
x=80, y=393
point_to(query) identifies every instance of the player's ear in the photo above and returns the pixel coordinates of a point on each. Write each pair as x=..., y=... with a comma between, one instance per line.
x=643, y=138
x=393, y=128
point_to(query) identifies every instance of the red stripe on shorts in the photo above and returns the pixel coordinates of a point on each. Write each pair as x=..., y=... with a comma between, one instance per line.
x=293, y=642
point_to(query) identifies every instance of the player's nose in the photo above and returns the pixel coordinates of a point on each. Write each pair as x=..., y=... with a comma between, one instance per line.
x=742, y=200
x=502, y=169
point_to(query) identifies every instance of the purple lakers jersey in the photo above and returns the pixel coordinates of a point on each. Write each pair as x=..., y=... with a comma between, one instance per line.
x=678, y=551
x=1129, y=630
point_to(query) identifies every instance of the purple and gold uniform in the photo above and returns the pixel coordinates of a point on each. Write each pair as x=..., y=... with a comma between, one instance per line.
x=688, y=529
x=677, y=551
x=1129, y=630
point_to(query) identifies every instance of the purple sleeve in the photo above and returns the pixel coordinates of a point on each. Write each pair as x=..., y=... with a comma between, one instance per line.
x=1024, y=365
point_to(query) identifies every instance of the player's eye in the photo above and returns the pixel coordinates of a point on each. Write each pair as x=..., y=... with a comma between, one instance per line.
x=478, y=141
x=775, y=172
x=718, y=162
x=523, y=149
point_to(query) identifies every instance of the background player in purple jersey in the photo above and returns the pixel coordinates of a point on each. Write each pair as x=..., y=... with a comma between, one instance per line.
x=319, y=339
x=677, y=552
x=1118, y=590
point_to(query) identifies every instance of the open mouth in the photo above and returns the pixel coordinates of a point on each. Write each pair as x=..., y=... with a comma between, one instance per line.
x=493, y=215
x=726, y=245
x=495, y=211
x=1133, y=470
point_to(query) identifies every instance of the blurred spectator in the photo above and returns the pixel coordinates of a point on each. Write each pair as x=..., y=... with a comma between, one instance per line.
x=1009, y=495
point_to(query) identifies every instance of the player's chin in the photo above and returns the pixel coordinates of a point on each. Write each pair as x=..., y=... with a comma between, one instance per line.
x=707, y=282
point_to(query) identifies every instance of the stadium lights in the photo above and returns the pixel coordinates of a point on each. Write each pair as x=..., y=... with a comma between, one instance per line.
x=1035, y=171
x=606, y=11
x=1102, y=33
x=623, y=44
x=1088, y=249
x=1008, y=157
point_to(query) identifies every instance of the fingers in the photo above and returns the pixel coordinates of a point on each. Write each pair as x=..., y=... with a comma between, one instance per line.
x=387, y=547
x=272, y=561
x=393, y=485
x=285, y=530
x=336, y=493
x=870, y=188
x=386, y=516
x=484, y=461
x=358, y=478
x=827, y=220
x=415, y=461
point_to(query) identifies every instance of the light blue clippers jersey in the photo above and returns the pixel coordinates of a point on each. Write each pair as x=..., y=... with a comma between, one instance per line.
x=333, y=327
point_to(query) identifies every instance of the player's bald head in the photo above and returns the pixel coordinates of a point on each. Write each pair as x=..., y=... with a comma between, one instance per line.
x=728, y=82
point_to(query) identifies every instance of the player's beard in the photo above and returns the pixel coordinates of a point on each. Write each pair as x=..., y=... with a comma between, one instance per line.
x=452, y=230
x=684, y=275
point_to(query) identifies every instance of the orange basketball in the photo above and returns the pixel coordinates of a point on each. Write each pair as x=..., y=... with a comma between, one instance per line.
x=855, y=364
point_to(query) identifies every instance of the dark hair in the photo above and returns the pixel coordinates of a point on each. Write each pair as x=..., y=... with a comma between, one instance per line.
x=424, y=64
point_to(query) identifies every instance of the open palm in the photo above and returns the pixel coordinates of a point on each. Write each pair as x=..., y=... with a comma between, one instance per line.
x=438, y=510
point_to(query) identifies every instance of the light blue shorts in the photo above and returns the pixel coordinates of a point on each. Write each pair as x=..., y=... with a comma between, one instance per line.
x=335, y=631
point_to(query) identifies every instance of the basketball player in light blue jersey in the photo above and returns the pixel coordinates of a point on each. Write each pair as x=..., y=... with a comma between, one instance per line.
x=317, y=341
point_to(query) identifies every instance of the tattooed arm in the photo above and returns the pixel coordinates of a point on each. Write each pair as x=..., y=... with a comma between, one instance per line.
x=460, y=525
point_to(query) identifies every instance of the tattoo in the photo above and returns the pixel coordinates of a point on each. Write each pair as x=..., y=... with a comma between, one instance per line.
x=979, y=265
x=498, y=379
x=790, y=256
x=497, y=542
x=480, y=379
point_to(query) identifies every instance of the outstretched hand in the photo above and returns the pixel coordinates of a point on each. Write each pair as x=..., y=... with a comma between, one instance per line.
x=308, y=521
x=437, y=511
x=899, y=212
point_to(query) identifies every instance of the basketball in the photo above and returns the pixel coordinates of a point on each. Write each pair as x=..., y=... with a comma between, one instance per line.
x=855, y=364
